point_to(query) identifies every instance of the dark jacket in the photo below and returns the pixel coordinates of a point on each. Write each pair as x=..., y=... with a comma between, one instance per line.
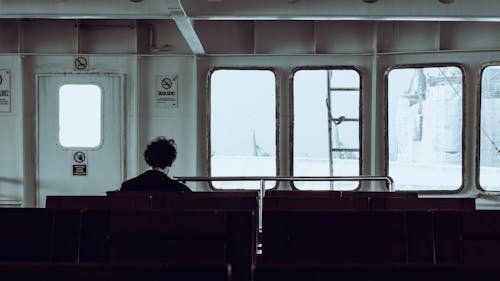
x=153, y=180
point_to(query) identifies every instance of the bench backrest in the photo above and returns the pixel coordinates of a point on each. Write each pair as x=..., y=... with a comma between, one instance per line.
x=347, y=237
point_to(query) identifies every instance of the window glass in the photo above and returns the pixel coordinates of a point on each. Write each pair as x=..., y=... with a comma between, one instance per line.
x=326, y=127
x=242, y=126
x=425, y=128
x=489, y=165
x=80, y=117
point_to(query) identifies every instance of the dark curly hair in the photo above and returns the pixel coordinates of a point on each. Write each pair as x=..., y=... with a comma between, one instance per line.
x=160, y=153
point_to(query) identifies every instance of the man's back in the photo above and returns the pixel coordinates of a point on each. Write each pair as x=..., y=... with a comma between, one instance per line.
x=153, y=180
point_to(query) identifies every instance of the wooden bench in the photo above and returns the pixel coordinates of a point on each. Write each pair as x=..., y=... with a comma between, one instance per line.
x=386, y=272
x=170, y=236
x=97, y=202
x=422, y=204
x=315, y=203
x=75, y=202
x=347, y=237
x=130, y=236
x=302, y=193
x=114, y=272
x=39, y=235
x=247, y=200
x=467, y=237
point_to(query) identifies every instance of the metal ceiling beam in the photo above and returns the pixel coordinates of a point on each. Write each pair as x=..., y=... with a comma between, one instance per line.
x=387, y=10
x=84, y=16
x=185, y=26
x=88, y=9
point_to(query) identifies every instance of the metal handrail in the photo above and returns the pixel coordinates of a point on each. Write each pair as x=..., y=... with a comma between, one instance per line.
x=387, y=179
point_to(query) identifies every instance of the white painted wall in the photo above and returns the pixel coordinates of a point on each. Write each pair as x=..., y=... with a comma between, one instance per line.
x=265, y=44
x=11, y=152
x=178, y=123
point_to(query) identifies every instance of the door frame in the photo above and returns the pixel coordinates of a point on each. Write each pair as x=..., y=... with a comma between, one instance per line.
x=122, y=134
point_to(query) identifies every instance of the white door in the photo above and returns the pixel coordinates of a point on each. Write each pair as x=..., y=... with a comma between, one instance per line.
x=79, y=135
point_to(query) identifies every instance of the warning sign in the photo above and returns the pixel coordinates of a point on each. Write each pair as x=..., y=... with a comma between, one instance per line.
x=79, y=157
x=79, y=170
x=79, y=164
x=166, y=91
x=81, y=62
x=166, y=83
x=5, y=96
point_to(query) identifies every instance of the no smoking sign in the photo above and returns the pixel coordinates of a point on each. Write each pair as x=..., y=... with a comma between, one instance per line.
x=81, y=62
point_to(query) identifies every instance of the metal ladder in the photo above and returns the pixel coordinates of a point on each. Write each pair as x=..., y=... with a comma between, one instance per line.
x=334, y=138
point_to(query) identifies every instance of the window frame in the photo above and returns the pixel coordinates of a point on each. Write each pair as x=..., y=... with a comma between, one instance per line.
x=461, y=67
x=208, y=122
x=478, y=131
x=102, y=116
x=292, y=116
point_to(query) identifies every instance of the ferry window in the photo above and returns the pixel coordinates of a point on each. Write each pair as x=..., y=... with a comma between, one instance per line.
x=242, y=126
x=326, y=134
x=80, y=118
x=425, y=128
x=489, y=155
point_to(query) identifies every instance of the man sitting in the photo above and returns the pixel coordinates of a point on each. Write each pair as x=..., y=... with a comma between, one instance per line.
x=160, y=154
